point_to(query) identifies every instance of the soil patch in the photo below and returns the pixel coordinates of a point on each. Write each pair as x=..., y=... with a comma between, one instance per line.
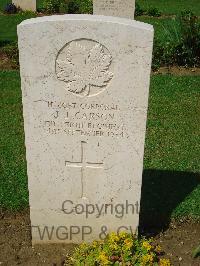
x=179, y=242
x=6, y=63
x=15, y=243
x=162, y=16
x=179, y=71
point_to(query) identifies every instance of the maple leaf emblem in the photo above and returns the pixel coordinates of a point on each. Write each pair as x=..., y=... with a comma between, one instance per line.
x=82, y=69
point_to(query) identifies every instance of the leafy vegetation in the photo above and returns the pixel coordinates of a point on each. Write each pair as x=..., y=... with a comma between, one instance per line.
x=67, y=6
x=53, y=6
x=196, y=252
x=171, y=7
x=187, y=52
x=10, y=9
x=177, y=40
x=80, y=6
x=138, y=10
x=153, y=12
x=119, y=249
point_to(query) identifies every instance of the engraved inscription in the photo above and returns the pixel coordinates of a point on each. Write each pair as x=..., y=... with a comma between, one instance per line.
x=83, y=119
x=109, y=5
x=84, y=67
x=83, y=164
x=118, y=8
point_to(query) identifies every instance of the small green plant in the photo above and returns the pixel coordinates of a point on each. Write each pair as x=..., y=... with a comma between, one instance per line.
x=138, y=10
x=163, y=53
x=188, y=51
x=153, y=12
x=73, y=7
x=80, y=6
x=27, y=13
x=118, y=249
x=196, y=252
x=54, y=6
x=158, y=53
x=181, y=44
x=86, y=6
x=10, y=9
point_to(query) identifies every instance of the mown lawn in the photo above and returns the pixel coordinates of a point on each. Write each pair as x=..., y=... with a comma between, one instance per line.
x=13, y=179
x=163, y=26
x=171, y=182
x=8, y=25
x=172, y=7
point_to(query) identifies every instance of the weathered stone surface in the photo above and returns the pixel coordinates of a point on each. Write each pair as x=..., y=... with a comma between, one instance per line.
x=116, y=8
x=85, y=83
x=25, y=4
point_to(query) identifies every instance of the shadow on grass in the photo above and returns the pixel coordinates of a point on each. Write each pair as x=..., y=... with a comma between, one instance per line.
x=162, y=192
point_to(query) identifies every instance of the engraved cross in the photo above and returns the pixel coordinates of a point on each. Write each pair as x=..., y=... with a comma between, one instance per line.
x=83, y=164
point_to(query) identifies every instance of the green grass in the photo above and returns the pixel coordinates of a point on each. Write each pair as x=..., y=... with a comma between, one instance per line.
x=13, y=179
x=8, y=25
x=170, y=7
x=171, y=181
x=3, y=3
x=173, y=124
x=161, y=26
x=171, y=184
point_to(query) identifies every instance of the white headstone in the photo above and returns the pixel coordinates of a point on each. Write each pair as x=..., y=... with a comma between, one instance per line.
x=116, y=8
x=29, y=5
x=85, y=84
